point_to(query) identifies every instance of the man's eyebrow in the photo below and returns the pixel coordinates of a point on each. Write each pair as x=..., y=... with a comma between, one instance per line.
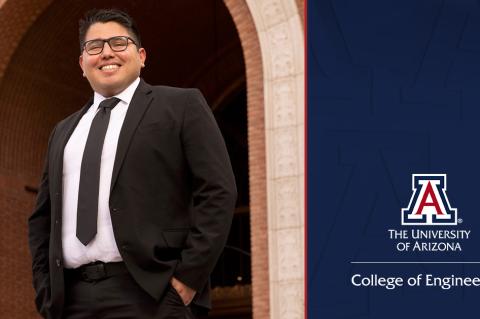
x=94, y=40
x=115, y=36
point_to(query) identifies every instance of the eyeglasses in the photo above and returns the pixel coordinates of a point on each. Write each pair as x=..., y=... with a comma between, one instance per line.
x=117, y=44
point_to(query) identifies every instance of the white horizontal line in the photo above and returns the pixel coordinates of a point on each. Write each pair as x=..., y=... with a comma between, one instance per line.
x=415, y=262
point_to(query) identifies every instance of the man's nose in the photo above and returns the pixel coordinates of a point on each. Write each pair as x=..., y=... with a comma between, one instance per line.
x=107, y=50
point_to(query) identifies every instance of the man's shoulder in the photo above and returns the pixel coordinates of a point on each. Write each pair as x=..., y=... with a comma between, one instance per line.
x=177, y=97
x=73, y=116
x=70, y=117
x=172, y=91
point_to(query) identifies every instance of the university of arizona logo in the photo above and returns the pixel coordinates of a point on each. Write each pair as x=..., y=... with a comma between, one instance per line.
x=429, y=203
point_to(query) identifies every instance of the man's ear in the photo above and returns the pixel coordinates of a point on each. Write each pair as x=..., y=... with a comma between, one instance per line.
x=80, y=61
x=143, y=56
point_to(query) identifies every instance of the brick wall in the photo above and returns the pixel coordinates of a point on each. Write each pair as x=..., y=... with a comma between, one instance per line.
x=257, y=160
x=23, y=137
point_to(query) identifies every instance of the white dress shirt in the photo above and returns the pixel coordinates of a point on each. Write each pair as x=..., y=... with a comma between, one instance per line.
x=103, y=247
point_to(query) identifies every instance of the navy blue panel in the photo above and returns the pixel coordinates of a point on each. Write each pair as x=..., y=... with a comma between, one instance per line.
x=393, y=90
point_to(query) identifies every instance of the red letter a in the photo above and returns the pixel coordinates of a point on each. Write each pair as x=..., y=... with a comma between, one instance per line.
x=423, y=202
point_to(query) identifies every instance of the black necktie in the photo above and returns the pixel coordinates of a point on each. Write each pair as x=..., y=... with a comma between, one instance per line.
x=87, y=208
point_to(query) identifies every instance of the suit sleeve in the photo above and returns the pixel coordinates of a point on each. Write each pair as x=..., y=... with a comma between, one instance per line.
x=214, y=192
x=38, y=239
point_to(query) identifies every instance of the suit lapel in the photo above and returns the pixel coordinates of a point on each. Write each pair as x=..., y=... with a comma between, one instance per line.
x=64, y=136
x=138, y=105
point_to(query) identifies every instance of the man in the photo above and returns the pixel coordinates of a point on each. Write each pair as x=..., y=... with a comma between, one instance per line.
x=137, y=193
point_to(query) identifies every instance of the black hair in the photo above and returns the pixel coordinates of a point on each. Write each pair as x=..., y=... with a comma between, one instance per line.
x=104, y=16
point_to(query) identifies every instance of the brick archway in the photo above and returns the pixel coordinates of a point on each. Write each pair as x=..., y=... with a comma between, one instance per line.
x=275, y=133
x=16, y=294
x=276, y=136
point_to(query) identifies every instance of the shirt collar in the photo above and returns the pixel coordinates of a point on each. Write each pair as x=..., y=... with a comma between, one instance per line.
x=125, y=96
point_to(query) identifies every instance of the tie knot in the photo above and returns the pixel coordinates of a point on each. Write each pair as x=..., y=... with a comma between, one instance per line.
x=109, y=103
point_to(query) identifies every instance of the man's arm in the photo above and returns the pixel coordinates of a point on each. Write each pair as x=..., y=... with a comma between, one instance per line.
x=38, y=240
x=214, y=193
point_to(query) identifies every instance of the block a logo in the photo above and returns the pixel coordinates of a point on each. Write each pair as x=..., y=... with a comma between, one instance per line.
x=429, y=203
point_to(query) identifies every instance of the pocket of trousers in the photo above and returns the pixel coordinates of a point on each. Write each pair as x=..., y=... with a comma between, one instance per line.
x=177, y=296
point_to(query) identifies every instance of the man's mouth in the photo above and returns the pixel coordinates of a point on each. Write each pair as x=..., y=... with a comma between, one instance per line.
x=109, y=67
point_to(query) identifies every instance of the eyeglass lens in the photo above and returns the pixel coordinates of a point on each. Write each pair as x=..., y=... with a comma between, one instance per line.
x=116, y=44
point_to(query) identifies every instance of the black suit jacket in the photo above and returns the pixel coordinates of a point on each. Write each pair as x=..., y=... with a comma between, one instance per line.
x=171, y=202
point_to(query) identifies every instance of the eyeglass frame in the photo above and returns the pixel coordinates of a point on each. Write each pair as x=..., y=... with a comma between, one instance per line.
x=108, y=41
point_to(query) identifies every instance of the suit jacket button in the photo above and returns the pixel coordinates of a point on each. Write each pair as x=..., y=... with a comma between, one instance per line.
x=114, y=210
x=58, y=262
x=124, y=247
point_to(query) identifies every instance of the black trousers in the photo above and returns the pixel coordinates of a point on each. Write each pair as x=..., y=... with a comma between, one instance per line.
x=120, y=297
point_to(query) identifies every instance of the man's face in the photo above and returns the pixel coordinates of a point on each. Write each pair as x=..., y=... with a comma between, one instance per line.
x=110, y=72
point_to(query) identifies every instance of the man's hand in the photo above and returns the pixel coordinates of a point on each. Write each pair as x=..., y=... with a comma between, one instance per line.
x=185, y=292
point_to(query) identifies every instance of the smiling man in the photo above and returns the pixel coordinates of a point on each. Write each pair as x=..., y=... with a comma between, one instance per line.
x=137, y=193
